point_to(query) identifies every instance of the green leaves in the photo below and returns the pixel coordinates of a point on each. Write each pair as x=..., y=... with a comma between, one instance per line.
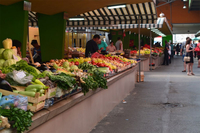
x=22, y=119
x=63, y=81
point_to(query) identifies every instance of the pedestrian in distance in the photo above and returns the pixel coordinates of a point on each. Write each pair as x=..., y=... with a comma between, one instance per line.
x=170, y=53
x=198, y=53
x=166, y=54
x=177, y=49
x=183, y=52
x=190, y=53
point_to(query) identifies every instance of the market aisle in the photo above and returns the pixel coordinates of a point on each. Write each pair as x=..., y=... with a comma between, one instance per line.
x=145, y=111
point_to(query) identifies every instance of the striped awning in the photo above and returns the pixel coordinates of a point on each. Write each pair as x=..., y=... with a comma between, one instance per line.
x=130, y=14
x=158, y=25
x=32, y=19
x=119, y=26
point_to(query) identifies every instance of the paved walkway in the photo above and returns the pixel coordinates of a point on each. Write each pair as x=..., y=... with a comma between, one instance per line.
x=167, y=102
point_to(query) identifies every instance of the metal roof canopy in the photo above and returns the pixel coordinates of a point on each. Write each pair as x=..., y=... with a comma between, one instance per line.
x=72, y=7
x=197, y=34
x=194, y=5
x=130, y=14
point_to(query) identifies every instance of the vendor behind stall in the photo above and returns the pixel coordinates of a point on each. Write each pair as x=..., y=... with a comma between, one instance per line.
x=103, y=45
x=111, y=47
x=36, y=51
x=18, y=45
x=92, y=46
x=119, y=44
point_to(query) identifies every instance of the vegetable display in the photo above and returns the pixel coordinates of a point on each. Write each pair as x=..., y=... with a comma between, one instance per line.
x=63, y=81
x=21, y=119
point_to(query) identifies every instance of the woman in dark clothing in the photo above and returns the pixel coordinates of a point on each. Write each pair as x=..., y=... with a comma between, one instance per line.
x=177, y=49
x=166, y=54
x=190, y=53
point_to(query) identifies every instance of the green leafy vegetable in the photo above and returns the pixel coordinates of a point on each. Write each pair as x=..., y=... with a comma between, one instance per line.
x=22, y=119
x=63, y=81
x=90, y=83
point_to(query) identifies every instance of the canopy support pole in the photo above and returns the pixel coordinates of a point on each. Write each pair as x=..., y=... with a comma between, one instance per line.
x=150, y=50
x=139, y=48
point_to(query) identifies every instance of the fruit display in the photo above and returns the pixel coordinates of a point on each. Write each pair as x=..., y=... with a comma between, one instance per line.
x=73, y=49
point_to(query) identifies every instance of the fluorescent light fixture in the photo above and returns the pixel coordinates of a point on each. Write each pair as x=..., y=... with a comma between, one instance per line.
x=184, y=7
x=158, y=32
x=184, y=0
x=116, y=6
x=74, y=19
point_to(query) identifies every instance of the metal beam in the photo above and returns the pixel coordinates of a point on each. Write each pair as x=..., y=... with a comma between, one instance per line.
x=166, y=3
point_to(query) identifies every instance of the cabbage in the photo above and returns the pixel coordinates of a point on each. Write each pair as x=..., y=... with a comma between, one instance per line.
x=7, y=54
x=66, y=64
x=7, y=43
x=1, y=51
x=74, y=67
x=1, y=62
x=9, y=62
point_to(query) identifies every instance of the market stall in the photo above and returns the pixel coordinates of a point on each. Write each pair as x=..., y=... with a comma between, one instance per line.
x=51, y=86
x=80, y=88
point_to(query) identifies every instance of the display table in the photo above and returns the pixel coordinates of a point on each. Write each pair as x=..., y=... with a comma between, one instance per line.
x=79, y=113
x=144, y=64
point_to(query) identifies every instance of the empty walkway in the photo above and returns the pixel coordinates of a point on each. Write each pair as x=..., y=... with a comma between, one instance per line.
x=167, y=102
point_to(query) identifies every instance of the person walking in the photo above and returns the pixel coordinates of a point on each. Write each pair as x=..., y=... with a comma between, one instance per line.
x=190, y=53
x=170, y=53
x=172, y=50
x=177, y=49
x=198, y=53
x=183, y=52
x=166, y=54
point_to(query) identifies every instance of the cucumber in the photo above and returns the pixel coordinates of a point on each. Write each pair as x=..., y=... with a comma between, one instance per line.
x=38, y=87
x=15, y=91
x=27, y=93
x=33, y=90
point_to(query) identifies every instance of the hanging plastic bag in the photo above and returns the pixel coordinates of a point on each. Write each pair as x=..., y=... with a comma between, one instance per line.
x=20, y=77
x=18, y=101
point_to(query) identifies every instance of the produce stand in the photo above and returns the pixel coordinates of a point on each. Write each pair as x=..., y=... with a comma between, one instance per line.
x=84, y=111
x=46, y=87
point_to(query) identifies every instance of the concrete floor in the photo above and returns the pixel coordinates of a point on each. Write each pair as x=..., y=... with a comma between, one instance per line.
x=145, y=111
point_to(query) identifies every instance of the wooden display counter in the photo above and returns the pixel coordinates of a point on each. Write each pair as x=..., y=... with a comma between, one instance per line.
x=155, y=60
x=144, y=64
x=79, y=113
x=161, y=59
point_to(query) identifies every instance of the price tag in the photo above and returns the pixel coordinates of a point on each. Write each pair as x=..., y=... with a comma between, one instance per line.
x=20, y=75
x=15, y=58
